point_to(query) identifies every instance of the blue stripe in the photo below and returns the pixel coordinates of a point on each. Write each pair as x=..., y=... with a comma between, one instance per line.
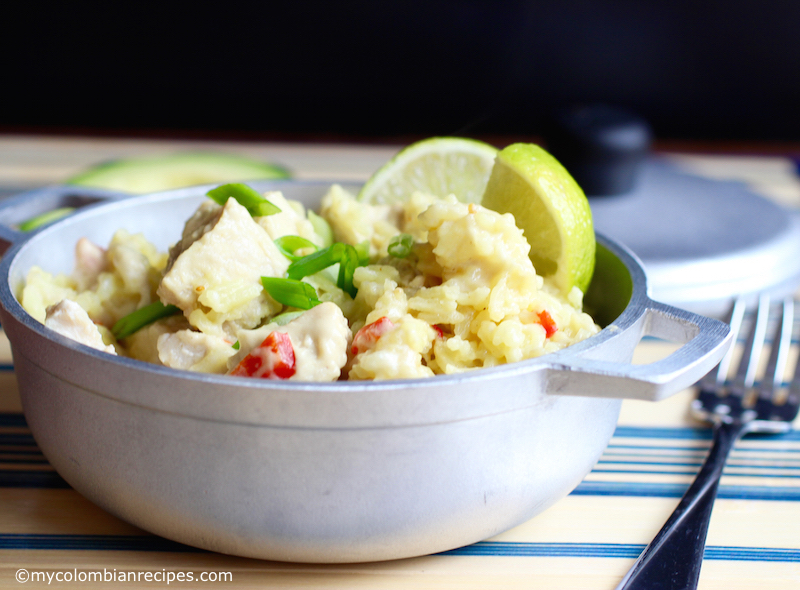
x=697, y=449
x=15, y=419
x=10, y=478
x=482, y=549
x=663, y=432
x=729, y=465
x=693, y=473
x=693, y=434
x=665, y=463
x=31, y=452
x=7, y=367
x=507, y=549
x=617, y=550
x=17, y=439
x=687, y=450
x=645, y=471
x=661, y=490
x=93, y=543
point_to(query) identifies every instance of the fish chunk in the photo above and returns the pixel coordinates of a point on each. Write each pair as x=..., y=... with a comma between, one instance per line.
x=69, y=319
x=216, y=280
x=194, y=351
x=90, y=261
x=201, y=222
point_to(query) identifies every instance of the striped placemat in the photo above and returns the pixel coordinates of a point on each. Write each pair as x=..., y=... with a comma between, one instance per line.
x=586, y=541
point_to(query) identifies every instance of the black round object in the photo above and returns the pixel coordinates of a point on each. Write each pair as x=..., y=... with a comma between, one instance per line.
x=601, y=146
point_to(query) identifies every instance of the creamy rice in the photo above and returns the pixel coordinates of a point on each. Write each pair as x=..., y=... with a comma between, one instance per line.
x=461, y=294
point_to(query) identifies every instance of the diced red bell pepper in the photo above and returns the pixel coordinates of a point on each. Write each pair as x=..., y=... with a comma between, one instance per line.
x=369, y=334
x=272, y=359
x=548, y=323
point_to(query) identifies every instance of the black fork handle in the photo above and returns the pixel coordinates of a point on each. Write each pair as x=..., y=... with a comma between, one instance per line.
x=673, y=559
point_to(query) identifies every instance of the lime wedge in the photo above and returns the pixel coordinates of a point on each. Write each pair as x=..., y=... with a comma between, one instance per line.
x=157, y=173
x=439, y=166
x=550, y=208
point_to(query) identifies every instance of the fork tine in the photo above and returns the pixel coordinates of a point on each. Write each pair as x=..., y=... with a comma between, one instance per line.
x=748, y=365
x=709, y=404
x=792, y=405
x=776, y=371
x=716, y=379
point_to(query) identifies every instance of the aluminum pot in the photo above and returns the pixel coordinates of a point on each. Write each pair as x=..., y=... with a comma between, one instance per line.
x=327, y=472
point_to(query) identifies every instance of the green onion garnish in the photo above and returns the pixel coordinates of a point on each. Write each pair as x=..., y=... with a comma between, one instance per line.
x=247, y=197
x=363, y=253
x=313, y=263
x=343, y=254
x=140, y=318
x=285, y=318
x=45, y=218
x=321, y=227
x=288, y=245
x=291, y=292
x=347, y=268
x=400, y=245
x=235, y=345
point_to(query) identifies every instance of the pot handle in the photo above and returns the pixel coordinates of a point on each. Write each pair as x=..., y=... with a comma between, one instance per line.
x=31, y=204
x=705, y=341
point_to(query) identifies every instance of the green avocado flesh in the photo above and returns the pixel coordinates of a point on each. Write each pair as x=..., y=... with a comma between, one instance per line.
x=152, y=174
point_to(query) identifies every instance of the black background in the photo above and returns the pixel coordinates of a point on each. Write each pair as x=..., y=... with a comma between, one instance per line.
x=695, y=70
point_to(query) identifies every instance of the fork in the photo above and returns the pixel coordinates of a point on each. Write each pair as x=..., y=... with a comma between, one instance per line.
x=735, y=407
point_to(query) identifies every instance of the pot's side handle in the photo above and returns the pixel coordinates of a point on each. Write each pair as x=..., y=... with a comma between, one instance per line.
x=705, y=341
x=61, y=200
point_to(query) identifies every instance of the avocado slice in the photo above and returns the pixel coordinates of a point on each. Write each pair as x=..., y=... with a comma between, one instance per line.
x=158, y=173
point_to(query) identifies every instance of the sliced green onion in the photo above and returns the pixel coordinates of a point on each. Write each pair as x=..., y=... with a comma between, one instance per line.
x=235, y=345
x=288, y=245
x=133, y=322
x=285, y=318
x=313, y=263
x=247, y=197
x=345, y=255
x=400, y=245
x=291, y=292
x=363, y=253
x=322, y=228
x=45, y=218
x=262, y=209
x=348, y=263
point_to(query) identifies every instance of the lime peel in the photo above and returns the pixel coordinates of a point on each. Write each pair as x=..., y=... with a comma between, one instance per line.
x=550, y=208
